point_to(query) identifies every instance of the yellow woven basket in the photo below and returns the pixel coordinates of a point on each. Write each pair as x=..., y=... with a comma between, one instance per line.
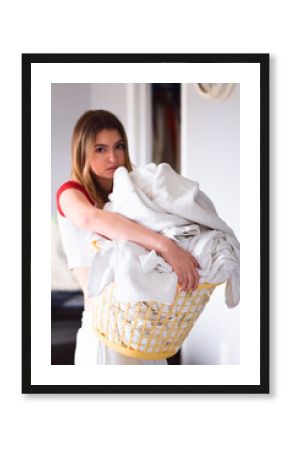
x=148, y=329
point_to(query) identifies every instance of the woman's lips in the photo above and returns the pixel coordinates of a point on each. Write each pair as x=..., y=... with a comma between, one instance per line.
x=113, y=168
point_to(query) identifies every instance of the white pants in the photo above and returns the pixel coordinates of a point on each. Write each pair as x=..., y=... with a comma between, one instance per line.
x=91, y=351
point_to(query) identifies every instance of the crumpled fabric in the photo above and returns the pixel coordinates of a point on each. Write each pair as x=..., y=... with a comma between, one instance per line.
x=151, y=261
x=159, y=198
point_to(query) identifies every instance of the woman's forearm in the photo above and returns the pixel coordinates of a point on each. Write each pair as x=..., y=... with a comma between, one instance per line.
x=109, y=224
x=117, y=227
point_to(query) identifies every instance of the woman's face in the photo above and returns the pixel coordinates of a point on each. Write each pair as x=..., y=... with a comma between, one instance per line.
x=108, y=154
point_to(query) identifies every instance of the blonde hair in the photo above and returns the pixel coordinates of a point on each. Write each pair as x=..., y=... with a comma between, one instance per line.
x=84, y=135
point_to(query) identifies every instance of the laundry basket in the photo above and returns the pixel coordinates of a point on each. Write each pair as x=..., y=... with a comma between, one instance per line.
x=148, y=329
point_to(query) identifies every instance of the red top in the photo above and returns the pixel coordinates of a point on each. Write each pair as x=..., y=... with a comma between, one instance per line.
x=70, y=185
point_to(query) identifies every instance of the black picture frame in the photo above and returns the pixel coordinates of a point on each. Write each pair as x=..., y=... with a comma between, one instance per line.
x=245, y=58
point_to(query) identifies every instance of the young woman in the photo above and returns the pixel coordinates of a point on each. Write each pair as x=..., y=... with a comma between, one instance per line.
x=99, y=147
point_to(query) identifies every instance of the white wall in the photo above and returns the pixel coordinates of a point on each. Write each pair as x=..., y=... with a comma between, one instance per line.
x=210, y=155
x=68, y=102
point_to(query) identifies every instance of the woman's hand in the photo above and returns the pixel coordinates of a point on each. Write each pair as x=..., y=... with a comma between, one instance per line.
x=182, y=263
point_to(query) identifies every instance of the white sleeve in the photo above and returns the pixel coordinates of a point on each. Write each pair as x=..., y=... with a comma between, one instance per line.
x=77, y=248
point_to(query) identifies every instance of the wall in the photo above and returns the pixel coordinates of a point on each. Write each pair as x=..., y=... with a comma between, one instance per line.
x=210, y=155
x=68, y=101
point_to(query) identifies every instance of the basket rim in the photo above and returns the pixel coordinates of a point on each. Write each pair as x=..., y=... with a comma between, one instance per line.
x=205, y=285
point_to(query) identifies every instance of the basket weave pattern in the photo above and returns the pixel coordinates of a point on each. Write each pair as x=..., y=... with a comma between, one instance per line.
x=148, y=329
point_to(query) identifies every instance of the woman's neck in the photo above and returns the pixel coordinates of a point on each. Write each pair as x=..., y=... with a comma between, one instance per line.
x=106, y=185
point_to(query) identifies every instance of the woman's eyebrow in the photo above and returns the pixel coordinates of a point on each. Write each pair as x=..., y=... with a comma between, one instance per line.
x=105, y=145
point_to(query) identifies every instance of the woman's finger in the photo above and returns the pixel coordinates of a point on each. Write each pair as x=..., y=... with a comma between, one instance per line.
x=192, y=282
x=184, y=282
x=188, y=280
x=192, y=279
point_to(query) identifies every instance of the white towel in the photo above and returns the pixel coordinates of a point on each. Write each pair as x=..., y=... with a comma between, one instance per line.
x=159, y=198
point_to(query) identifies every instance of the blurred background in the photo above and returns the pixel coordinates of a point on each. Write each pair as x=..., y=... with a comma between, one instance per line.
x=196, y=129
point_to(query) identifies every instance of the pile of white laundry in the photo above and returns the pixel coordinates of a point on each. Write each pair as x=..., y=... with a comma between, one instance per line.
x=159, y=198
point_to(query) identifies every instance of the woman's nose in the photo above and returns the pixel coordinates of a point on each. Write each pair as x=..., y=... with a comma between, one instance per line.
x=113, y=156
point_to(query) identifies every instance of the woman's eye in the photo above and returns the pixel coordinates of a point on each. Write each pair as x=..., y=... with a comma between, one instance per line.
x=121, y=146
x=100, y=149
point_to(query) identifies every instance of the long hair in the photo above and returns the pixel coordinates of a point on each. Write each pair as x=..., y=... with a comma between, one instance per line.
x=84, y=135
